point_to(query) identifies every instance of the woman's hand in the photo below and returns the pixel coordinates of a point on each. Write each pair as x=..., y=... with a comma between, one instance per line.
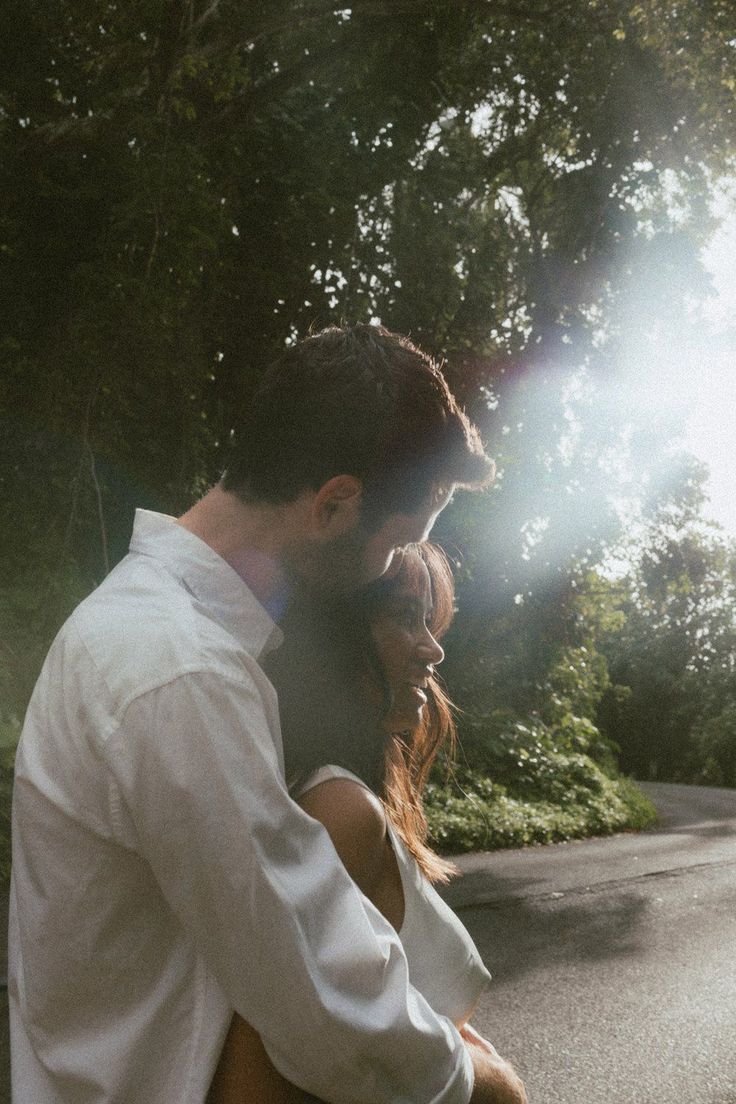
x=470, y=1035
x=496, y=1082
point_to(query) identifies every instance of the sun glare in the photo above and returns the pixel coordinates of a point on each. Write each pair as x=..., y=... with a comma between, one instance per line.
x=684, y=373
x=711, y=428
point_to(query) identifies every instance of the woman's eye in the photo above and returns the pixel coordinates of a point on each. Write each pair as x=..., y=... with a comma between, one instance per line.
x=404, y=617
x=410, y=617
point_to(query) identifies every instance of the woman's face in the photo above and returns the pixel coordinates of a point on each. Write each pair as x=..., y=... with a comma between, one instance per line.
x=405, y=647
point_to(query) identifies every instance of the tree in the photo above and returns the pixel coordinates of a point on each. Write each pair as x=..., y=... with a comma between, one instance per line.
x=202, y=182
x=673, y=661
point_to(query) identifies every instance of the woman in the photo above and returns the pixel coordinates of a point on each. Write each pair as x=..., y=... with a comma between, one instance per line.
x=363, y=719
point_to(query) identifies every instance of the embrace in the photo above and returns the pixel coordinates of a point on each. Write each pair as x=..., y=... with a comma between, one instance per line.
x=222, y=887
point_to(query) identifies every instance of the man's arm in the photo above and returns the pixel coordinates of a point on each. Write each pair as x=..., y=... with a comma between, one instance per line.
x=496, y=1082
x=356, y=822
x=316, y=970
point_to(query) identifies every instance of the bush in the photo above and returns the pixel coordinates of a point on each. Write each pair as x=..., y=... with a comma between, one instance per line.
x=546, y=795
x=714, y=743
x=537, y=760
x=470, y=813
x=527, y=780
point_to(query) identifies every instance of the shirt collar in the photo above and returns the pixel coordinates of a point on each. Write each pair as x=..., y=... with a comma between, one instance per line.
x=211, y=580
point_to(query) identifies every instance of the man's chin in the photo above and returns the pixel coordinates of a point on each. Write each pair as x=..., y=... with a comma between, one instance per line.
x=335, y=569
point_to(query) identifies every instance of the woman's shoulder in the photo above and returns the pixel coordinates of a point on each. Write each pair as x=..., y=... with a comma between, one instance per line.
x=344, y=804
x=355, y=819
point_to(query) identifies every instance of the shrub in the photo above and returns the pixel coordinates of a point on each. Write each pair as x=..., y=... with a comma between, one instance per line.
x=714, y=742
x=468, y=812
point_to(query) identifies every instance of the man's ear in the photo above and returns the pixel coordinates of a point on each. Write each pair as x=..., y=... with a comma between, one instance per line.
x=336, y=506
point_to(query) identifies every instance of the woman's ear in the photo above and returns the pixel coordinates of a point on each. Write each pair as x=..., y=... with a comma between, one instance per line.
x=336, y=506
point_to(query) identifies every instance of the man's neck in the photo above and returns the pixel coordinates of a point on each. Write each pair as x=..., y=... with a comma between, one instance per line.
x=250, y=538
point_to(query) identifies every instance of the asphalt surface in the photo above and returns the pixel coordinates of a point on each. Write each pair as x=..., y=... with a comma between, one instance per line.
x=613, y=959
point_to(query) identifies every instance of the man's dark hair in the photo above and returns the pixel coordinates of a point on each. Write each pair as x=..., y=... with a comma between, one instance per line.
x=355, y=401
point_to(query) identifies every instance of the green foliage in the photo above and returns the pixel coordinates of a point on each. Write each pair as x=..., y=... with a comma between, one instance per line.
x=188, y=186
x=538, y=760
x=9, y=734
x=673, y=661
x=471, y=813
x=714, y=740
x=31, y=609
x=533, y=779
x=6, y=791
x=201, y=182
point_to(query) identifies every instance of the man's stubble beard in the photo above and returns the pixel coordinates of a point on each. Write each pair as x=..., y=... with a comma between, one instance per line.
x=332, y=569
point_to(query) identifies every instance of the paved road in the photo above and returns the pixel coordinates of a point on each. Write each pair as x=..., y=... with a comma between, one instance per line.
x=613, y=959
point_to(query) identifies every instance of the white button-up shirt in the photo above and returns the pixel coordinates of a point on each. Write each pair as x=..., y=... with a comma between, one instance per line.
x=162, y=877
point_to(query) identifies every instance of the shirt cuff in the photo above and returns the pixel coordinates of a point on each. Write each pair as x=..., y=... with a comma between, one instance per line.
x=460, y=1087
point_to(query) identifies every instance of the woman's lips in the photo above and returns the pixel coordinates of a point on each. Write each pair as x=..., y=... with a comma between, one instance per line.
x=418, y=693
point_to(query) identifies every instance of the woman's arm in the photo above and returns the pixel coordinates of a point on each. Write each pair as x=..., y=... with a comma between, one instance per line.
x=356, y=822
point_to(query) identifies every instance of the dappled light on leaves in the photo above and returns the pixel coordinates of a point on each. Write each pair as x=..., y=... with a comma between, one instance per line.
x=524, y=189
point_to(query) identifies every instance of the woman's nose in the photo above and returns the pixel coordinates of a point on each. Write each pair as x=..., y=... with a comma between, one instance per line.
x=430, y=649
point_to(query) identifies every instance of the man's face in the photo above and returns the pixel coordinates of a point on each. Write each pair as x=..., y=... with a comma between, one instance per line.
x=346, y=562
x=397, y=531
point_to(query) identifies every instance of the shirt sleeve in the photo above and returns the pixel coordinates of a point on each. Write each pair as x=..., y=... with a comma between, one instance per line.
x=300, y=953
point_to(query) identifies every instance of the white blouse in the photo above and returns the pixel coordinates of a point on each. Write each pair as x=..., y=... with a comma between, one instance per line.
x=444, y=962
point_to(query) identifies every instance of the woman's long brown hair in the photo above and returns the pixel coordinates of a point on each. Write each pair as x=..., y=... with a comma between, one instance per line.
x=409, y=755
x=334, y=698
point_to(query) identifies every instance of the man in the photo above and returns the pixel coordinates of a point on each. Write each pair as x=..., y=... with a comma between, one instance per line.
x=162, y=877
